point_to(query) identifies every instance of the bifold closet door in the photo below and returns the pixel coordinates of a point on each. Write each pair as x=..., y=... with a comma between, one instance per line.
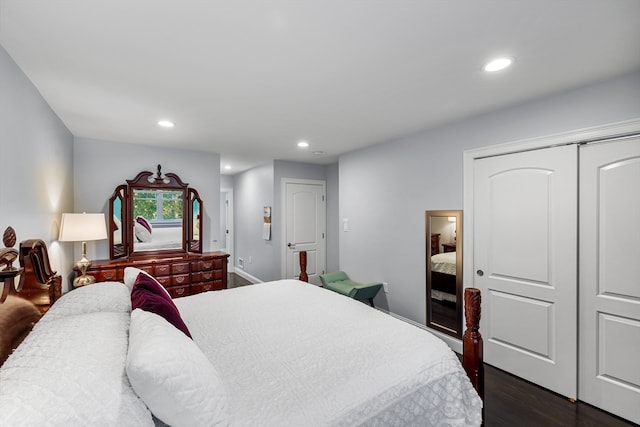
x=525, y=257
x=609, y=362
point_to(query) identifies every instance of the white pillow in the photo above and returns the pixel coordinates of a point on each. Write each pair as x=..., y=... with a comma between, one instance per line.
x=142, y=234
x=102, y=296
x=172, y=375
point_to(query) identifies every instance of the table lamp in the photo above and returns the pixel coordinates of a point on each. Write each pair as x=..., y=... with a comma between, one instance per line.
x=82, y=228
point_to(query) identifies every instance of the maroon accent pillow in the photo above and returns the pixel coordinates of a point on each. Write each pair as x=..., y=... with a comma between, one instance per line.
x=143, y=222
x=149, y=295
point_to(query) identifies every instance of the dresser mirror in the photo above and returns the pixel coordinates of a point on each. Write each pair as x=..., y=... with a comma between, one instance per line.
x=444, y=271
x=154, y=214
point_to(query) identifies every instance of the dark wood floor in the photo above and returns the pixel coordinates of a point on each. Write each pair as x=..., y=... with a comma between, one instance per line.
x=510, y=401
x=234, y=281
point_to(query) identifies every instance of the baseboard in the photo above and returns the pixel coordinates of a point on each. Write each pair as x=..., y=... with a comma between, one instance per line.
x=454, y=343
x=240, y=272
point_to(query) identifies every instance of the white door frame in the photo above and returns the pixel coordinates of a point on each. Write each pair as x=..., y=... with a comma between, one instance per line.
x=229, y=228
x=283, y=206
x=592, y=134
x=577, y=136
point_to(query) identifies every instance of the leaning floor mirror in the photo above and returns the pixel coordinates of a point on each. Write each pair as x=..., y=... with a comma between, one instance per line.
x=444, y=271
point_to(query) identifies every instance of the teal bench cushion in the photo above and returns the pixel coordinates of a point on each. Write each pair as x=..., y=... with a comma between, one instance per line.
x=340, y=282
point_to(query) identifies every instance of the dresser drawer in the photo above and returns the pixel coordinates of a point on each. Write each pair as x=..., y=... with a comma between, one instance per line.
x=164, y=280
x=178, y=291
x=107, y=275
x=208, y=264
x=162, y=269
x=206, y=276
x=202, y=287
x=180, y=268
x=180, y=279
x=214, y=285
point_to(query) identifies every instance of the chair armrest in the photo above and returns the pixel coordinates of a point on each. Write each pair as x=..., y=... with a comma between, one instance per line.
x=365, y=291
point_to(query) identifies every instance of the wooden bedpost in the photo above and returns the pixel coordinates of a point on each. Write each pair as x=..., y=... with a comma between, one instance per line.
x=472, y=340
x=303, y=267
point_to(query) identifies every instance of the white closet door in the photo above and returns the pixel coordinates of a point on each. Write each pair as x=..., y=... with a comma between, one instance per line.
x=525, y=245
x=609, y=369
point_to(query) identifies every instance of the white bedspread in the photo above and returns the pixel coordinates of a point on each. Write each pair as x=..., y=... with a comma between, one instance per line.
x=58, y=378
x=444, y=263
x=69, y=371
x=293, y=354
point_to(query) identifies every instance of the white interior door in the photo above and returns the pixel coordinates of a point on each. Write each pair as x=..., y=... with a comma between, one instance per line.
x=525, y=257
x=609, y=373
x=304, y=227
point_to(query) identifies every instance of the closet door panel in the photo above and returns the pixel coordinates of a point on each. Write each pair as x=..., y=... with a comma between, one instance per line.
x=609, y=374
x=525, y=246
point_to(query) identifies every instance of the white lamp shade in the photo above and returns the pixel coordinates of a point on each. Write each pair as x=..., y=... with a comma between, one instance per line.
x=82, y=227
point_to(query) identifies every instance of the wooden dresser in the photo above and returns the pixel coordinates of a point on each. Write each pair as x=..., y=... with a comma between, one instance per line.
x=435, y=243
x=182, y=275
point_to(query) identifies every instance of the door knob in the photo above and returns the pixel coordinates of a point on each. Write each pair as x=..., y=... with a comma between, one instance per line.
x=480, y=273
x=291, y=245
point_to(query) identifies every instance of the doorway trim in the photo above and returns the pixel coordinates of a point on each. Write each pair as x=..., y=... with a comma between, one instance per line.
x=283, y=225
x=579, y=136
x=229, y=229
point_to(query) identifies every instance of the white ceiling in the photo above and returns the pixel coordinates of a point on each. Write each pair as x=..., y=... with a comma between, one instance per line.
x=248, y=79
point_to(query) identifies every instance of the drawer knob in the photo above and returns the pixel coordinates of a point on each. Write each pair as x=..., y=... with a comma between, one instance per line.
x=207, y=287
x=180, y=291
x=180, y=279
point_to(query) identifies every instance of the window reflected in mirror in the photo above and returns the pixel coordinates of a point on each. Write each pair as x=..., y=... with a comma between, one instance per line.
x=158, y=219
x=444, y=271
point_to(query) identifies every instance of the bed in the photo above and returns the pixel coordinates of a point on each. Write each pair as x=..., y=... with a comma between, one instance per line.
x=161, y=238
x=283, y=353
x=443, y=276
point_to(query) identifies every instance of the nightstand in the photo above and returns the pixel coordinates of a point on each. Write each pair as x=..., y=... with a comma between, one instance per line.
x=449, y=247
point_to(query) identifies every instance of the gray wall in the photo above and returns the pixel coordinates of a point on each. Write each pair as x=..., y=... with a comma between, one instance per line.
x=100, y=166
x=253, y=190
x=333, y=224
x=37, y=174
x=384, y=190
x=261, y=187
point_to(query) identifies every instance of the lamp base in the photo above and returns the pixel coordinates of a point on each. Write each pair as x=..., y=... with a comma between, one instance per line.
x=83, y=265
x=83, y=280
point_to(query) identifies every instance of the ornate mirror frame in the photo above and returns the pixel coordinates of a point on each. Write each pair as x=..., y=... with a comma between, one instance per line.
x=444, y=288
x=122, y=238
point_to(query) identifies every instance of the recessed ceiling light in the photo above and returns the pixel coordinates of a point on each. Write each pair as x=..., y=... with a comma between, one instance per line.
x=318, y=153
x=166, y=124
x=303, y=144
x=498, y=64
x=227, y=167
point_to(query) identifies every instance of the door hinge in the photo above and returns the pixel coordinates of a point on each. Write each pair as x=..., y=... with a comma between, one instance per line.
x=323, y=235
x=323, y=198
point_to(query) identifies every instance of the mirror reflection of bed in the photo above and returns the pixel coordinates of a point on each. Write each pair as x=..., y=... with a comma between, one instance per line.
x=444, y=271
x=443, y=289
x=161, y=238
